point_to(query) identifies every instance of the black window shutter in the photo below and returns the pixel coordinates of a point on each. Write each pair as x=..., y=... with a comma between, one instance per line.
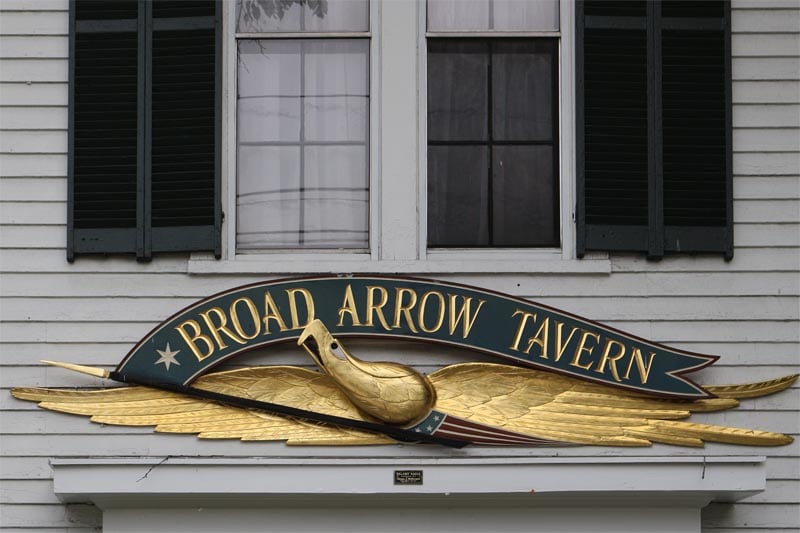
x=654, y=127
x=144, y=162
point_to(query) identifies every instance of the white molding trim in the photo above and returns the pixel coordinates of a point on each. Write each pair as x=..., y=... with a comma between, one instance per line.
x=610, y=481
x=362, y=263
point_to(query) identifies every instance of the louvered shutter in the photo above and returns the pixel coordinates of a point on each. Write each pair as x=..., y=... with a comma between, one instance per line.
x=144, y=127
x=105, y=148
x=653, y=127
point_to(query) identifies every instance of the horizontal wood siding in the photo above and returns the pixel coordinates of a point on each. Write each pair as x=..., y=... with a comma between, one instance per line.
x=91, y=312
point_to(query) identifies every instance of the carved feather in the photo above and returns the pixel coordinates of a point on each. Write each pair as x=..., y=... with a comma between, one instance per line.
x=532, y=402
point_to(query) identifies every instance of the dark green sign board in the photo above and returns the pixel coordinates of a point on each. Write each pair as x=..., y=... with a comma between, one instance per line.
x=213, y=330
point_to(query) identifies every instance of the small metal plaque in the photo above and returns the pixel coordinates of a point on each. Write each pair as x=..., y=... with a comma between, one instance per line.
x=408, y=477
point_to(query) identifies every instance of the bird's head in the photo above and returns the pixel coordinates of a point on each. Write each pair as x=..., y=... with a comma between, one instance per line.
x=394, y=393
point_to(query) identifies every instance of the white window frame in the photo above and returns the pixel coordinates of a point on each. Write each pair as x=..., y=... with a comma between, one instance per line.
x=566, y=130
x=229, y=178
x=398, y=164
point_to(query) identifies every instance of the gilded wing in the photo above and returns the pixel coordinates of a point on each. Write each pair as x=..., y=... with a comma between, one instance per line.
x=539, y=404
x=555, y=407
x=171, y=412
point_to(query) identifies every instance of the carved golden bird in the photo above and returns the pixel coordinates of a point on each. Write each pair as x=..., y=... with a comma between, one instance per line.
x=483, y=403
x=391, y=392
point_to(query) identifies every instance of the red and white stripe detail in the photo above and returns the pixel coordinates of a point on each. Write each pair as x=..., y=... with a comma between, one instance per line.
x=458, y=428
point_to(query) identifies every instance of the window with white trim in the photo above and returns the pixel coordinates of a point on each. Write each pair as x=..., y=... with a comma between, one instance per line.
x=492, y=124
x=302, y=127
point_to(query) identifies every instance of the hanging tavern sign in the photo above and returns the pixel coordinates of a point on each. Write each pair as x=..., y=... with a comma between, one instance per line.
x=575, y=380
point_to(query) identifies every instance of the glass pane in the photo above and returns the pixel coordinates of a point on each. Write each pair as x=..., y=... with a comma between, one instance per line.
x=336, y=67
x=522, y=91
x=457, y=90
x=267, y=199
x=451, y=15
x=458, y=196
x=335, y=197
x=501, y=15
x=268, y=119
x=254, y=16
x=336, y=118
x=302, y=133
x=524, y=203
x=525, y=15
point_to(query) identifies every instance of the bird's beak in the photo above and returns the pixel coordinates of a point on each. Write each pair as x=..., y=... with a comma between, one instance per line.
x=313, y=336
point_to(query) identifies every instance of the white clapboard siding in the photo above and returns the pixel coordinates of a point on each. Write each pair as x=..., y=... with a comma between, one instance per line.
x=766, y=116
x=761, y=45
x=109, y=284
x=33, y=142
x=92, y=311
x=33, y=94
x=29, y=47
x=34, y=118
x=35, y=5
x=49, y=189
x=771, y=140
x=766, y=187
x=33, y=70
x=45, y=23
x=769, y=92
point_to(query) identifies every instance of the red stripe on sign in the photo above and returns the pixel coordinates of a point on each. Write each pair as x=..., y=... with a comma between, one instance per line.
x=460, y=428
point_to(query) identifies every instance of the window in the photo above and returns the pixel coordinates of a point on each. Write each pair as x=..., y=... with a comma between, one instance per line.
x=302, y=137
x=493, y=111
x=144, y=165
x=654, y=127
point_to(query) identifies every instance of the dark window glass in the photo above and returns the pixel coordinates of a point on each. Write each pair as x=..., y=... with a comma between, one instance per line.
x=492, y=143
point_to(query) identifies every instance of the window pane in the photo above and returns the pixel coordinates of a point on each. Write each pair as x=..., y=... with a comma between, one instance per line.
x=501, y=15
x=540, y=15
x=524, y=203
x=336, y=118
x=450, y=15
x=458, y=90
x=522, y=91
x=303, y=130
x=255, y=16
x=267, y=199
x=335, y=197
x=458, y=196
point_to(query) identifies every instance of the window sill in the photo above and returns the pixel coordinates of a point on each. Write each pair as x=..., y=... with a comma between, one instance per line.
x=437, y=262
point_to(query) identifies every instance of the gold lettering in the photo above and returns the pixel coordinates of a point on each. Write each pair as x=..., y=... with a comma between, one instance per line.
x=376, y=308
x=560, y=347
x=518, y=336
x=237, y=325
x=465, y=312
x=540, y=338
x=644, y=370
x=349, y=307
x=576, y=359
x=608, y=358
x=421, y=313
x=405, y=310
x=221, y=327
x=190, y=340
x=271, y=312
x=292, y=295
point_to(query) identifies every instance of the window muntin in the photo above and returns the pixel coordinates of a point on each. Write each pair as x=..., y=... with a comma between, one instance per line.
x=492, y=143
x=303, y=128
